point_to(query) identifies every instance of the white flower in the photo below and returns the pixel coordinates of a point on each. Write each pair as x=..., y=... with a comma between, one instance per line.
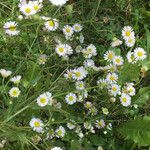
x=125, y=99
x=114, y=89
x=71, y=98
x=111, y=77
x=89, y=63
x=36, y=5
x=100, y=124
x=60, y=132
x=14, y=92
x=130, y=90
x=68, y=30
x=116, y=42
x=20, y=17
x=130, y=57
x=51, y=24
x=118, y=60
x=56, y=148
x=36, y=124
x=68, y=74
x=71, y=125
x=105, y=111
x=102, y=83
x=69, y=49
x=127, y=32
x=80, y=85
x=42, y=59
x=88, y=105
x=44, y=99
x=81, y=38
x=130, y=41
x=139, y=53
x=112, y=99
x=109, y=56
x=90, y=51
x=79, y=73
x=77, y=27
x=5, y=73
x=16, y=79
x=58, y=2
x=11, y=28
x=61, y=50
x=27, y=9
x=111, y=68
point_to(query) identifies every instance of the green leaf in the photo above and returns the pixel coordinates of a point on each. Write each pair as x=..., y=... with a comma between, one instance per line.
x=137, y=130
x=143, y=96
x=129, y=73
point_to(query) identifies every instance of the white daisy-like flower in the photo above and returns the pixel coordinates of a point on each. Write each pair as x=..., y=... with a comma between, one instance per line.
x=11, y=28
x=36, y=5
x=27, y=9
x=51, y=24
x=36, y=124
x=60, y=132
x=111, y=68
x=56, y=148
x=130, y=57
x=5, y=73
x=79, y=73
x=71, y=98
x=44, y=99
x=125, y=99
x=77, y=27
x=16, y=79
x=114, y=89
x=139, y=53
x=90, y=51
x=109, y=56
x=14, y=92
x=61, y=50
x=68, y=30
x=130, y=89
x=71, y=125
x=118, y=60
x=68, y=74
x=127, y=32
x=89, y=63
x=69, y=49
x=102, y=83
x=80, y=85
x=130, y=42
x=100, y=124
x=116, y=42
x=88, y=105
x=105, y=111
x=111, y=77
x=58, y=2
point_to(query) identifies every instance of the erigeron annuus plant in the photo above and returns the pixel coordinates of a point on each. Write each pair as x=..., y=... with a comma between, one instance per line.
x=82, y=97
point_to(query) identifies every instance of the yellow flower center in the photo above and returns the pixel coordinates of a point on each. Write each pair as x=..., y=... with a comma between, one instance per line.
x=68, y=30
x=77, y=28
x=140, y=54
x=112, y=78
x=80, y=85
x=130, y=40
x=27, y=10
x=110, y=56
x=51, y=23
x=70, y=75
x=15, y=93
x=124, y=99
x=78, y=74
x=12, y=28
x=36, y=124
x=100, y=123
x=128, y=33
x=36, y=7
x=61, y=49
x=114, y=89
x=59, y=132
x=71, y=98
x=118, y=60
x=43, y=100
